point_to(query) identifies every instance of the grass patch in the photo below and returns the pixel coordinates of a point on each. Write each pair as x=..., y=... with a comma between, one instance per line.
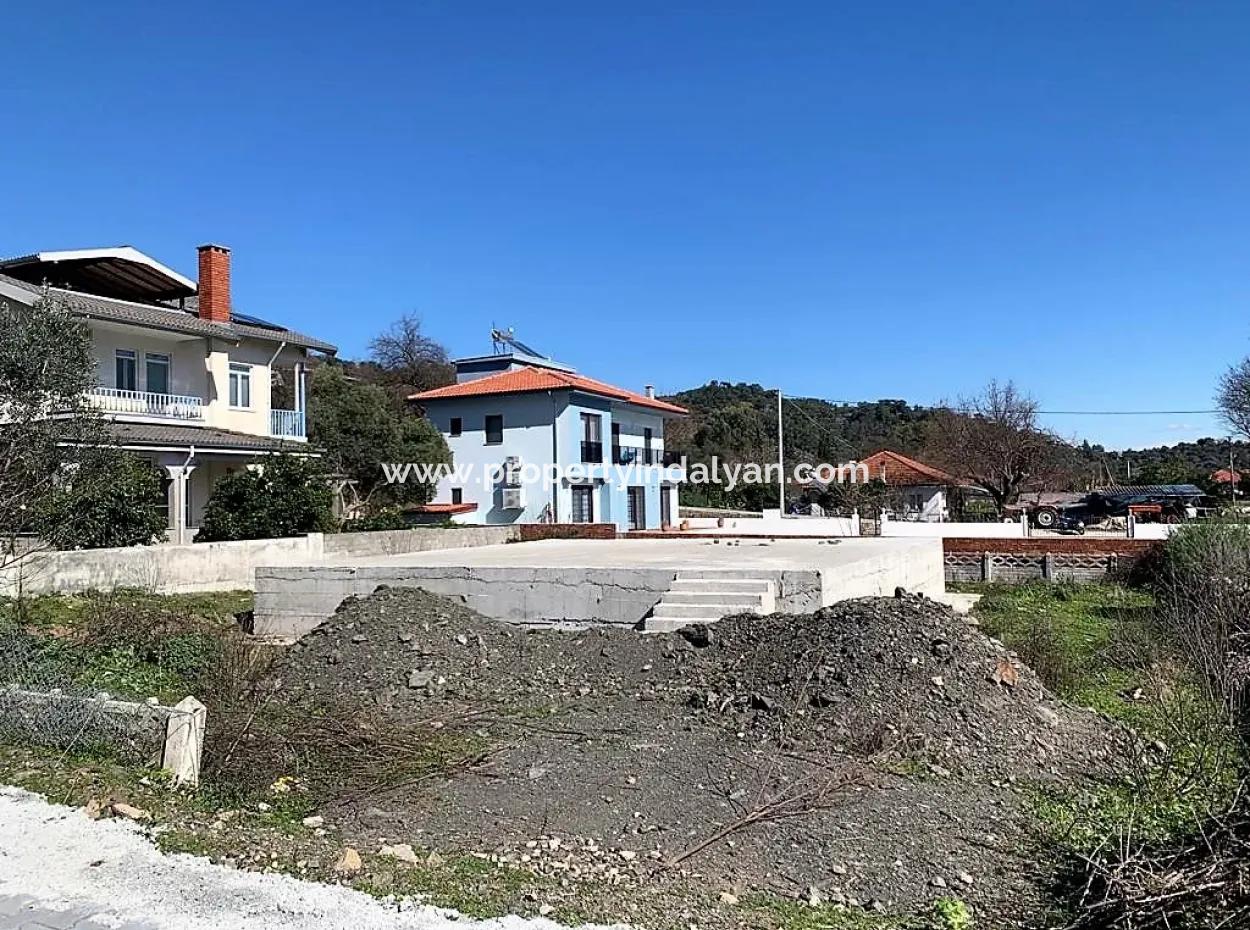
x=788, y=914
x=1098, y=646
x=132, y=644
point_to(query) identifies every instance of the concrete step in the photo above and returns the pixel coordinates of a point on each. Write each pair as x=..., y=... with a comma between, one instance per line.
x=747, y=598
x=666, y=610
x=716, y=574
x=752, y=585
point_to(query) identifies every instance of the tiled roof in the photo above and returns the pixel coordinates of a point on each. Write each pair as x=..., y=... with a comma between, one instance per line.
x=531, y=378
x=441, y=508
x=897, y=469
x=202, y=437
x=170, y=319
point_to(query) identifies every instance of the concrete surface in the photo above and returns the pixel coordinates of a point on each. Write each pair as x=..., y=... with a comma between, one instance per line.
x=61, y=870
x=607, y=581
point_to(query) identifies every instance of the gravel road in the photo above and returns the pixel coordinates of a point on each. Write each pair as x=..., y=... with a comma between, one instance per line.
x=59, y=869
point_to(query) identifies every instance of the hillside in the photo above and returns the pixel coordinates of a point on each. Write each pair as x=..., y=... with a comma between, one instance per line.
x=738, y=423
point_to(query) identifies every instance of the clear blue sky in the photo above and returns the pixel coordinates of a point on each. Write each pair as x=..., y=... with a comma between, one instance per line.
x=851, y=201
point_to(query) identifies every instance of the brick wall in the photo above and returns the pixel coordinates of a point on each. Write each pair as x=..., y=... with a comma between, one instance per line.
x=534, y=531
x=1057, y=559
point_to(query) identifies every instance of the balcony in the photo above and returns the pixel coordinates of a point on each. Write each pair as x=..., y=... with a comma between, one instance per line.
x=146, y=404
x=288, y=424
x=592, y=452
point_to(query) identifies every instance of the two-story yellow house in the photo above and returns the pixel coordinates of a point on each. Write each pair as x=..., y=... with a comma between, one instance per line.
x=184, y=379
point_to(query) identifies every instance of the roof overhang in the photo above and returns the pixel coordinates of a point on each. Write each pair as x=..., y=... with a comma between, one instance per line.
x=121, y=271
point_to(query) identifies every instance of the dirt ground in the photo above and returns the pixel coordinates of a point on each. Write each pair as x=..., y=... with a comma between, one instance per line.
x=878, y=752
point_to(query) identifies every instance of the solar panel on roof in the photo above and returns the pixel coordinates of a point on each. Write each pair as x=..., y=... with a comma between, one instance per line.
x=250, y=320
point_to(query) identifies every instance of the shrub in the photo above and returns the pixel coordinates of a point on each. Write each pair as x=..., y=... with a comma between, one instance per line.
x=287, y=496
x=112, y=499
x=1202, y=587
x=382, y=520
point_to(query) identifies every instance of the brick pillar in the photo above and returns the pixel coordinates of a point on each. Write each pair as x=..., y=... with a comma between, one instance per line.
x=214, y=284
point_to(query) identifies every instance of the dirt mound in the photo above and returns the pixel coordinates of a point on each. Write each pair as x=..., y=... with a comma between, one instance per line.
x=905, y=677
x=901, y=675
x=882, y=735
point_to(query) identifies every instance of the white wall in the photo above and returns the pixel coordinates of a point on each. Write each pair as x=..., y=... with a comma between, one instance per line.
x=899, y=528
x=222, y=566
x=188, y=373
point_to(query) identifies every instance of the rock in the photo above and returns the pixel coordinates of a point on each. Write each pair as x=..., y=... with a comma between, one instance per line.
x=900, y=591
x=628, y=855
x=837, y=868
x=544, y=910
x=434, y=860
x=727, y=898
x=938, y=882
x=129, y=811
x=966, y=878
x=360, y=638
x=348, y=863
x=94, y=809
x=1005, y=673
x=815, y=897
x=401, y=851
x=313, y=822
x=420, y=678
x=1046, y=715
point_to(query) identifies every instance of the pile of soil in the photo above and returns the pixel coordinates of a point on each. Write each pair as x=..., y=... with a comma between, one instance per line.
x=892, y=739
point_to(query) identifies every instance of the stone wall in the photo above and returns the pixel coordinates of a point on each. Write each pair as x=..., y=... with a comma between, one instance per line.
x=534, y=531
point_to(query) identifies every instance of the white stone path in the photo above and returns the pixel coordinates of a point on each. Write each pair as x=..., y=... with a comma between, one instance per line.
x=61, y=870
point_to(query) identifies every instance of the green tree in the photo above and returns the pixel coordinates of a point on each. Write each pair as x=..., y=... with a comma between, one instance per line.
x=46, y=370
x=107, y=499
x=359, y=430
x=286, y=496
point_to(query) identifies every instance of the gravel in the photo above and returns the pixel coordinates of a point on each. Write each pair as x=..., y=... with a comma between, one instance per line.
x=69, y=863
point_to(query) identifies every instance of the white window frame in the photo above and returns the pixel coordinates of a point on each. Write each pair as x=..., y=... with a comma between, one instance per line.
x=126, y=355
x=161, y=358
x=240, y=386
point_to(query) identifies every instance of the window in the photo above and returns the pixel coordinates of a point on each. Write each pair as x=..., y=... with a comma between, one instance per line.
x=646, y=446
x=457, y=495
x=457, y=426
x=583, y=503
x=126, y=372
x=592, y=437
x=240, y=385
x=156, y=371
x=494, y=428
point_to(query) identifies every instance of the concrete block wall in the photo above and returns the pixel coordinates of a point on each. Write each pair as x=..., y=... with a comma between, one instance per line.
x=1080, y=559
x=220, y=566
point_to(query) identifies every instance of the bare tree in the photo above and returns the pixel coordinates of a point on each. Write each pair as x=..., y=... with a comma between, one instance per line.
x=408, y=359
x=1233, y=397
x=993, y=439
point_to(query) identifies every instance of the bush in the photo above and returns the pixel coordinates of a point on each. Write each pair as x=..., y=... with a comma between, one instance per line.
x=382, y=520
x=287, y=496
x=1202, y=585
x=112, y=499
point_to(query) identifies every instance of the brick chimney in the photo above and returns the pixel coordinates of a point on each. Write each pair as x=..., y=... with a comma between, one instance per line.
x=214, y=286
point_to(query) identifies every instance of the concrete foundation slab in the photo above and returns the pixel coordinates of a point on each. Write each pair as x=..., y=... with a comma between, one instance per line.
x=599, y=581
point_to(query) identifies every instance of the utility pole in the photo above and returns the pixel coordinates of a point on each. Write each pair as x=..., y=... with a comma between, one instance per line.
x=781, y=460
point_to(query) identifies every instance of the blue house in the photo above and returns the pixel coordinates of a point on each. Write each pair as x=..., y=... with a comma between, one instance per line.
x=532, y=441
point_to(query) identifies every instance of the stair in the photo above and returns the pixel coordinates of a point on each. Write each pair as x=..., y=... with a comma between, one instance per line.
x=705, y=597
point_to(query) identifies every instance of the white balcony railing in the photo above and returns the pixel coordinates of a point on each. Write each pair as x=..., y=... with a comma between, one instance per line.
x=286, y=423
x=147, y=404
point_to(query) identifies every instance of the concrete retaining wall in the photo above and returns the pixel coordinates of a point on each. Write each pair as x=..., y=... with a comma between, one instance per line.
x=220, y=566
x=291, y=601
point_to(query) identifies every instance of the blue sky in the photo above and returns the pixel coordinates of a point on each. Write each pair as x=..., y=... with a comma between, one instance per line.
x=850, y=201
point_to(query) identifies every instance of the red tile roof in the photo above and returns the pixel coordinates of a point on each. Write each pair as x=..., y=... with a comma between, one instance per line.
x=443, y=508
x=531, y=378
x=1224, y=476
x=897, y=469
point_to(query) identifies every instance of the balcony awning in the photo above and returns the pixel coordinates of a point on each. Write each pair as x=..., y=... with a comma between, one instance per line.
x=120, y=271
